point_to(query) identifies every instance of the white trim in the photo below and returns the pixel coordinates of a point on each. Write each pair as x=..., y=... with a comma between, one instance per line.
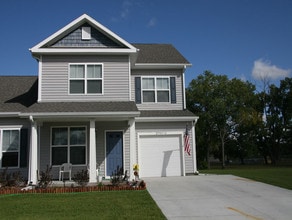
x=92, y=153
x=10, y=128
x=166, y=119
x=160, y=65
x=194, y=153
x=130, y=80
x=40, y=60
x=86, y=79
x=74, y=24
x=184, y=89
x=68, y=145
x=83, y=51
x=33, y=154
x=155, y=90
x=164, y=133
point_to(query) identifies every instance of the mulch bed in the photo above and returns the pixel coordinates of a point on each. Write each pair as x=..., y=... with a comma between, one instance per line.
x=16, y=190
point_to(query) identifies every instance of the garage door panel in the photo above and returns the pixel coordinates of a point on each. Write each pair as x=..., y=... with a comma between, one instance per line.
x=160, y=156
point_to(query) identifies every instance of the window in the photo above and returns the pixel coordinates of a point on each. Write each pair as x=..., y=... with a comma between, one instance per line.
x=86, y=33
x=10, y=147
x=85, y=78
x=68, y=145
x=155, y=89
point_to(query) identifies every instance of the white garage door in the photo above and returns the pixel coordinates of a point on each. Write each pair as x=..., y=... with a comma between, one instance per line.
x=160, y=156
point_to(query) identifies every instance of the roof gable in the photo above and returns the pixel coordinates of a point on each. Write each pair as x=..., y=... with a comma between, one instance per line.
x=103, y=41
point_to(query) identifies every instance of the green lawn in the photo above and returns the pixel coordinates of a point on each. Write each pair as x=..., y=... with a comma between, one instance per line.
x=278, y=176
x=92, y=205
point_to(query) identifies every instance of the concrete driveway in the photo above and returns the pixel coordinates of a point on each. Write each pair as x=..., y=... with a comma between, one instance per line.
x=219, y=197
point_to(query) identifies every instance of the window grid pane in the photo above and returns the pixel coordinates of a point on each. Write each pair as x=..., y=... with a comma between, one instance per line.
x=162, y=83
x=148, y=83
x=10, y=140
x=77, y=86
x=76, y=71
x=94, y=72
x=94, y=86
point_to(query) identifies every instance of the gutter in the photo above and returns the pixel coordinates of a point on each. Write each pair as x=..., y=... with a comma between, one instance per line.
x=167, y=119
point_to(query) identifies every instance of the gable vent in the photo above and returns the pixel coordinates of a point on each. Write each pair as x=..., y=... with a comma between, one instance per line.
x=86, y=33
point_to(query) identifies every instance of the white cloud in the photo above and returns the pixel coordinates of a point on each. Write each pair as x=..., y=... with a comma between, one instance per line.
x=152, y=22
x=265, y=70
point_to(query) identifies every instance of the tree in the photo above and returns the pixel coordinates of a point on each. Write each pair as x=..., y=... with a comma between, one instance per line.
x=277, y=123
x=224, y=107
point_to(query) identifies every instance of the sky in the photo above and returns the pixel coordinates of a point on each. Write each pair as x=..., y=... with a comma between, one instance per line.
x=245, y=39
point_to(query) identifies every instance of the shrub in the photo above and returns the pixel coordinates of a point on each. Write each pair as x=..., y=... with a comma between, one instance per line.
x=45, y=178
x=81, y=178
x=11, y=179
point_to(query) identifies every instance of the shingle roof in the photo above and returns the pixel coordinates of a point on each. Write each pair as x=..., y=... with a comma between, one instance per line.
x=19, y=94
x=159, y=53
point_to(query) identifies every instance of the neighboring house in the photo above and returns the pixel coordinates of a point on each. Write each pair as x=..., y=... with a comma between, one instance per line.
x=97, y=99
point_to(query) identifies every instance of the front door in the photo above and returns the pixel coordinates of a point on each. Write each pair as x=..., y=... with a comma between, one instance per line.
x=114, y=152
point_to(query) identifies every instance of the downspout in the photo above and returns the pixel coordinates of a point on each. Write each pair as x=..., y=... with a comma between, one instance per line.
x=194, y=146
x=184, y=88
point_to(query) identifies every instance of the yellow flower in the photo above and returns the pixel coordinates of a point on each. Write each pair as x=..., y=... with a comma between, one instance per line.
x=136, y=166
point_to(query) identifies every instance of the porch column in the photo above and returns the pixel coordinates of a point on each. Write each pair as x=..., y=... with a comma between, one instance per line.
x=133, y=150
x=194, y=146
x=33, y=154
x=92, y=153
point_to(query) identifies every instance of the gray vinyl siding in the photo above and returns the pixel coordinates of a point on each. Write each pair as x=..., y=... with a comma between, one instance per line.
x=164, y=127
x=101, y=128
x=160, y=106
x=55, y=79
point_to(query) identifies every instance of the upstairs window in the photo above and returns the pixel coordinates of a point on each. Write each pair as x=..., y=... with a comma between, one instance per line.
x=155, y=89
x=10, y=147
x=85, y=78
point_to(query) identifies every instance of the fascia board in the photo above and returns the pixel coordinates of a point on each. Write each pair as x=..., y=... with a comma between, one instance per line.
x=166, y=119
x=69, y=27
x=80, y=114
x=161, y=65
x=9, y=114
x=81, y=51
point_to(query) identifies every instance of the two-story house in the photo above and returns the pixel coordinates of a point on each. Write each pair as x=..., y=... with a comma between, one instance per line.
x=97, y=101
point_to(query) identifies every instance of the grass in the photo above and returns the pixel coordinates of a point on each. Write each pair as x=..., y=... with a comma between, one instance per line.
x=277, y=176
x=92, y=205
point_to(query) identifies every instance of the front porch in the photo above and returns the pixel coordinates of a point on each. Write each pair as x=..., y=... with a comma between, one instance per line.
x=48, y=148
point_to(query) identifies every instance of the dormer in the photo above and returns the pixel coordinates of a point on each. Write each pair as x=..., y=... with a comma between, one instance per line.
x=83, y=36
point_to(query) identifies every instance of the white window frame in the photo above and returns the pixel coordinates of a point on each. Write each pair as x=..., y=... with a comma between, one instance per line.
x=86, y=79
x=68, y=145
x=86, y=33
x=1, y=144
x=155, y=88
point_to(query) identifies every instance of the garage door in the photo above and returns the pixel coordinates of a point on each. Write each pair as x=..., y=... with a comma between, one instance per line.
x=160, y=156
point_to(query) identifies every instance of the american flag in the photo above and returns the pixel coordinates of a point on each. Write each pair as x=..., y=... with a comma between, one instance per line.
x=187, y=142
